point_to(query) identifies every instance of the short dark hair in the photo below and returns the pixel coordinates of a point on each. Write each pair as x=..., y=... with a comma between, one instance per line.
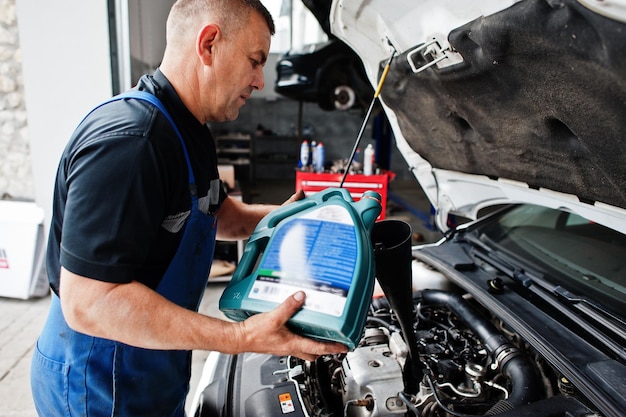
x=259, y=7
x=231, y=12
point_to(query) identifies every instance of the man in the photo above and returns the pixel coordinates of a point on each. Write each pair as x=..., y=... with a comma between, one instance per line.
x=137, y=208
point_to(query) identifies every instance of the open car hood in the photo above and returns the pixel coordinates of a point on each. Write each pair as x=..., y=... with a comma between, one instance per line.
x=527, y=105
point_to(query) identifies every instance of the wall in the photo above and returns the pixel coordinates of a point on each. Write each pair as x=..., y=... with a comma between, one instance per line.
x=16, y=179
x=146, y=23
x=66, y=71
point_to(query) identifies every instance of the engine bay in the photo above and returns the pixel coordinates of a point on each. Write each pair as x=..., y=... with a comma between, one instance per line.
x=452, y=330
x=459, y=359
x=469, y=364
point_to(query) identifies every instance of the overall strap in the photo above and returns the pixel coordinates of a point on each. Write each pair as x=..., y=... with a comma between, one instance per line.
x=151, y=98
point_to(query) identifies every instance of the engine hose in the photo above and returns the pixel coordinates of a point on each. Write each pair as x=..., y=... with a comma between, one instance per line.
x=383, y=323
x=511, y=362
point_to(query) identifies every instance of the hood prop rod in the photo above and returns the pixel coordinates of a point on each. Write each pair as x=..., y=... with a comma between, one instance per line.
x=367, y=115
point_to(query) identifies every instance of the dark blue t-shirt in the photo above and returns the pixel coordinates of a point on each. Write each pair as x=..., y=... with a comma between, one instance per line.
x=121, y=194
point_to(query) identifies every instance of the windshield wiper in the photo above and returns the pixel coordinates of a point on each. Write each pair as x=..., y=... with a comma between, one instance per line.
x=548, y=291
x=593, y=309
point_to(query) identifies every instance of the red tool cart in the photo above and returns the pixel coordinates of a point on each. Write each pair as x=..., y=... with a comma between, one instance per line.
x=357, y=184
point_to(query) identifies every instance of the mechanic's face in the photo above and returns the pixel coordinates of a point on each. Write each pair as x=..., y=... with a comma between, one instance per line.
x=239, y=69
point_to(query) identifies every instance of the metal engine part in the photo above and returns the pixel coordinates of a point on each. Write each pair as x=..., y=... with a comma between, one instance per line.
x=373, y=374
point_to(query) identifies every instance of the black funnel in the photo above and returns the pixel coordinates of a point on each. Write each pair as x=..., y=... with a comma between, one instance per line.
x=391, y=240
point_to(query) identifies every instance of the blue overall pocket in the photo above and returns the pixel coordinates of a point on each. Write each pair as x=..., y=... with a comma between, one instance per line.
x=150, y=383
x=49, y=385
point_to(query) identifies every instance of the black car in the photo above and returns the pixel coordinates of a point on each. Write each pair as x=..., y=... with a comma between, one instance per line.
x=511, y=114
x=327, y=73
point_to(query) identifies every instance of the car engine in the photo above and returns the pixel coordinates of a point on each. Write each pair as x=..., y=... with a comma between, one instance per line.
x=464, y=362
x=459, y=370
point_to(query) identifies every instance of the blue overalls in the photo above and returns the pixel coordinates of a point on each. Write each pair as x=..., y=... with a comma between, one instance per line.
x=73, y=374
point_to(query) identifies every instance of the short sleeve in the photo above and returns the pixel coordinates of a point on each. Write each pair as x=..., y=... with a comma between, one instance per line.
x=114, y=207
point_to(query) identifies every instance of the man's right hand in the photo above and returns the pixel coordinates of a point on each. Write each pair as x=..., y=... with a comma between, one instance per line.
x=268, y=333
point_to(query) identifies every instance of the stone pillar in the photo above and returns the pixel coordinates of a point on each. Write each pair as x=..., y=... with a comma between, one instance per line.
x=16, y=180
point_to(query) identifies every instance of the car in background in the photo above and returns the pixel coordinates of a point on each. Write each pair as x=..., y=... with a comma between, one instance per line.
x=327, y=73
x=511, y=115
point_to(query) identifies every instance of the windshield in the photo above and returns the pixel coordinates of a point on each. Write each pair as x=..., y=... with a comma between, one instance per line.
x=569, y=250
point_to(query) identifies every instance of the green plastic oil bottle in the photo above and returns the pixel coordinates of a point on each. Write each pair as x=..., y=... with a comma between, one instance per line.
x=321, y=245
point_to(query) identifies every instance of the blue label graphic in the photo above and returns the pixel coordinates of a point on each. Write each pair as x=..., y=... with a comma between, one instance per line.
x=314, y=254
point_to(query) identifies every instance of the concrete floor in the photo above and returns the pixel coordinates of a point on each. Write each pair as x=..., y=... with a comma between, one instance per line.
x=21, y=323
x=22, y=320
x=19, y=328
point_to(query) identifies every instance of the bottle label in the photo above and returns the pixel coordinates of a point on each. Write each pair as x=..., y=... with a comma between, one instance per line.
x=316, y=253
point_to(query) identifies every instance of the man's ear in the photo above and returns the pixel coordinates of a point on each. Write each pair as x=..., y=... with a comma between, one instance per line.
x=207, y=36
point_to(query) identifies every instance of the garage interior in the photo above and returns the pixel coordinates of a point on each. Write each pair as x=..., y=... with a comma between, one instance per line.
x=259, y=155
x=510, y=114
x=259, y=152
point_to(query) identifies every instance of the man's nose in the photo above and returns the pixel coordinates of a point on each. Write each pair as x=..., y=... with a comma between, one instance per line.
x=258, y=82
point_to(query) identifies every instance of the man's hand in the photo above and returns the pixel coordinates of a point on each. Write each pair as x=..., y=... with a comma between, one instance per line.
x=298, y=195
x=268, y=333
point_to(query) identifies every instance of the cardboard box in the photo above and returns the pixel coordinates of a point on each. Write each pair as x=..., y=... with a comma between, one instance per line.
x=22, y=251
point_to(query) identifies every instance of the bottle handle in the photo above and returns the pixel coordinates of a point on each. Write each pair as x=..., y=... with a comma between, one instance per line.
x=370, y=208
x=249, y=258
